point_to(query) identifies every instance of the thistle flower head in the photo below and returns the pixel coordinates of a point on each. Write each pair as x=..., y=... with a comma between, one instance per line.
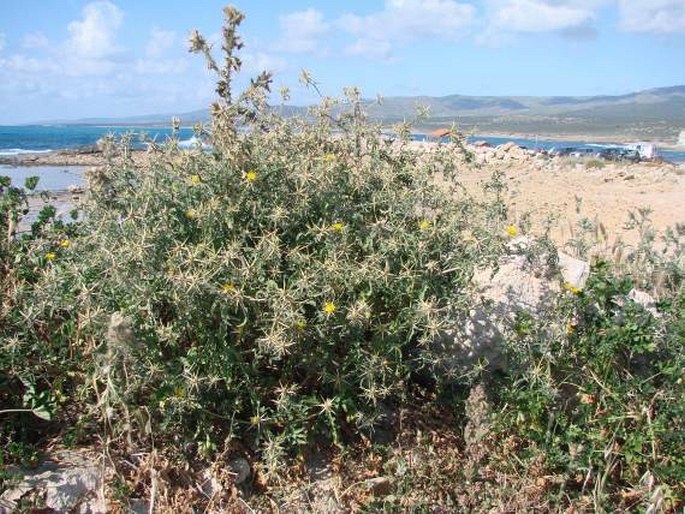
x=197, y=42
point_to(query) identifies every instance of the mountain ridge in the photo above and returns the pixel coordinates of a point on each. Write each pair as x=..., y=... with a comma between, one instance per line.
x=656, y=113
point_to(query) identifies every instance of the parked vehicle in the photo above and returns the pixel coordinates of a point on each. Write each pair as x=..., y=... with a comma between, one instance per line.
x=620, y=154
x=561, y=152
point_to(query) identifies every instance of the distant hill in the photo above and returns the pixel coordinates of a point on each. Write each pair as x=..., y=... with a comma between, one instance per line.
x=657, y=114
x=146, y=120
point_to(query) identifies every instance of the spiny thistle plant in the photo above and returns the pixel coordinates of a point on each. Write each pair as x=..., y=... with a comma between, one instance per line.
x=277, y=289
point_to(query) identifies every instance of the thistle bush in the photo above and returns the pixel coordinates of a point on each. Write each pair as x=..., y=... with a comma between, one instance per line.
x=276, y=289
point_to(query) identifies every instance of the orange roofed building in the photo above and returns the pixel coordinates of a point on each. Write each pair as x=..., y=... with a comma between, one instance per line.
x=439, y=133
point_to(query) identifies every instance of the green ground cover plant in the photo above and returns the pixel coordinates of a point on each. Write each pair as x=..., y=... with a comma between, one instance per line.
x=282, y=293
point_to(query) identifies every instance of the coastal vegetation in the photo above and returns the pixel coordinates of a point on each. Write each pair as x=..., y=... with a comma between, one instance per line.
x=297, y=298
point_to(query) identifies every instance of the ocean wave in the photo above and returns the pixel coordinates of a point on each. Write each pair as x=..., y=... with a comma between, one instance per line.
x=603, y=145
x=10, y=152
x=193, y=143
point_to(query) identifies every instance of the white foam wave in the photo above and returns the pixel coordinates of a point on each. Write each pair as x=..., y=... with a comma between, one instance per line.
x=603, y=145
x=192, y=143
x=10, y=152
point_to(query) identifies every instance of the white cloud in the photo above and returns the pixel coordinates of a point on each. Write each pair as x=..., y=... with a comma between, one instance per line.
x=303, y=31
x=570, y=18
x=257, y=62
x=158, y=66
x=21, y=64
x=402, y=21
x=94, y=36
x=160, y=41
x=35, y=40
x=577, y=17
x=370, y=48
x=659, y=16
x=541, y=16
x=51, y=79
x=406, y=20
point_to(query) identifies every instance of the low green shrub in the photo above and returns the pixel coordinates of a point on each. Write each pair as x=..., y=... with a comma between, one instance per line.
x=601, y=402
x=594, y=164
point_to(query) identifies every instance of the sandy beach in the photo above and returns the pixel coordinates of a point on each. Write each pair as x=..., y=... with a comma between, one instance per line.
x=560, y=191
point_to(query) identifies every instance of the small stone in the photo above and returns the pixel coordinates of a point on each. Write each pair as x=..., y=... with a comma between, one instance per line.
x=379, y=486
x=645, y=300
x=574, y=271
x=68, y=480
x=241, y=469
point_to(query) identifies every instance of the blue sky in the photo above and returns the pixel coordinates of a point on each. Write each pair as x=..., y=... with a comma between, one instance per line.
x=67, y=59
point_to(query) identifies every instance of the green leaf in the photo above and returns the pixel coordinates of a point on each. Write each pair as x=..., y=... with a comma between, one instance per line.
x=42, y=412
x=31, y=182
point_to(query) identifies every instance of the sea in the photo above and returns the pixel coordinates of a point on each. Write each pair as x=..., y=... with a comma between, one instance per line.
x=17, y=140
x=24, y=139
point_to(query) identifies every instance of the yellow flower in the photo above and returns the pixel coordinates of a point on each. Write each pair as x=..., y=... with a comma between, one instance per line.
x=329, y=308
x=64, y=243
x=424, y=224
x=255, y=421
x=228, y=287
x=570, y=328
x=571, y=288
x=337, y=226
x=512, y=231
x=194, y=180
x=251, y=176
x=50, y=256
x=329, y=157
x=191, y=214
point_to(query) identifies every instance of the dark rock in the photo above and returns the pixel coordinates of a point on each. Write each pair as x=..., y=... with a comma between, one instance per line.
x=379, y=486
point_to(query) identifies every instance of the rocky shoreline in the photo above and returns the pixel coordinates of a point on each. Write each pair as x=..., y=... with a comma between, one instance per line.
x=84, y=156
x=87, y=156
